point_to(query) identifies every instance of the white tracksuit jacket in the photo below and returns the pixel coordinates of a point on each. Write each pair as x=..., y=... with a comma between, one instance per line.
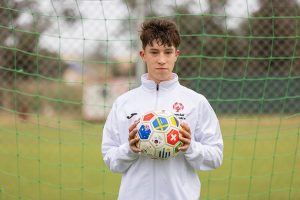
x=153, y=179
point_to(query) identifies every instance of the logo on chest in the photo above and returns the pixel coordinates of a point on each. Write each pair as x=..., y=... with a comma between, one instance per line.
x=131, y=115
x=178, y=107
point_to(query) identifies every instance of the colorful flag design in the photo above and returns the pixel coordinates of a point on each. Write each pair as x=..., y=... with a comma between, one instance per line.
x=160, y=123
x=173, y=137
x=164, y=153
x=174, y=121
x=157, y=140
x=144, y=132
x=148, y=117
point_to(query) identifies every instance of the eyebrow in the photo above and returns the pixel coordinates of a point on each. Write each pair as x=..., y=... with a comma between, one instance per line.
x=167, y=49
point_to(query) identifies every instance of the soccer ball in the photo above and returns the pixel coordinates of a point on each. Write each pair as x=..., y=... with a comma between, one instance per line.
x=158, y=132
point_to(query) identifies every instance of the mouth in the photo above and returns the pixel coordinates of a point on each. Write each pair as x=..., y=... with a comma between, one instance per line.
x=161, y=68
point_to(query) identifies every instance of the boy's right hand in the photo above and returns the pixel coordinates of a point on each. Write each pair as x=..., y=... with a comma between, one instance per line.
x=132, y=138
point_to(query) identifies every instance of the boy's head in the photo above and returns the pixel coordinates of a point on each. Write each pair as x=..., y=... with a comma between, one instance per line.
x=160, y=40
x=163, y=31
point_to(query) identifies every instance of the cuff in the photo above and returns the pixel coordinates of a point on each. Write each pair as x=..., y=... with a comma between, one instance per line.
x=190, y=149
x=125, y=148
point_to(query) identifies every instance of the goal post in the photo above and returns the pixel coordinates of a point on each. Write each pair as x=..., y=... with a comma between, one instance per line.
x=63, y=63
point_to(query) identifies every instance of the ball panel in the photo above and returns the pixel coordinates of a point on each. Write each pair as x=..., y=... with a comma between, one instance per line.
x=148, y=117
x=160, y=123
x=147, y=148
x=173, y=137
x=144, y=131
x=157, y=139
x=176, y=148
x=174, y=121
x=164, y=152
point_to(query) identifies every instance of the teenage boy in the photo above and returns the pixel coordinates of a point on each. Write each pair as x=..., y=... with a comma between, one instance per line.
x=175, y=178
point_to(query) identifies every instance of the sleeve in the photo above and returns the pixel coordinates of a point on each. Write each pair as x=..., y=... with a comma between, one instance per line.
x=117, y=156
x=206, y=151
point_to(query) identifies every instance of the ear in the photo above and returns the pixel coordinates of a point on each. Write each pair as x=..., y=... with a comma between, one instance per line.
x=142, y=54
x=177, y=53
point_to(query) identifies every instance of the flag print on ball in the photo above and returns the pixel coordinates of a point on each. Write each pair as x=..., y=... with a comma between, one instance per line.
x=160, y=124
x=158, y=132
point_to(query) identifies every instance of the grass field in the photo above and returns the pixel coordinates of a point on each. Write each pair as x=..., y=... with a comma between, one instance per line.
x=59, y=158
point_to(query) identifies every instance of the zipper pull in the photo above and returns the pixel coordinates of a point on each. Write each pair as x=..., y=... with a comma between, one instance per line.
x=157, y=87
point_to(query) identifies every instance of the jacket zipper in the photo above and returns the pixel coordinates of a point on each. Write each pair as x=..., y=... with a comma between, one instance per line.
x=154, y=163
x=156, y=99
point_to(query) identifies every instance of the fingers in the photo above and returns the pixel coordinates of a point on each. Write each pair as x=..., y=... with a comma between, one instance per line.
x=184, y=136
x=185, y=130
x=132, y=126
x=132, y=134
x=132, y=144
x=186, y=143
x=184, y=148
x=132, y=130
x=132, y=138
x=184, y=140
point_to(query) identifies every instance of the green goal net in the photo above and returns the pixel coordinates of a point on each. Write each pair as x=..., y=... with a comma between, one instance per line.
x=63, y=63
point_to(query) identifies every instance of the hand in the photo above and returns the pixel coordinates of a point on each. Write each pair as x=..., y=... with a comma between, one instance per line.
x=184, y=136
x=132, y=138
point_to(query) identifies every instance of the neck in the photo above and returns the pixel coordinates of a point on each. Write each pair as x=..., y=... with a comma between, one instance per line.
x=159, y=81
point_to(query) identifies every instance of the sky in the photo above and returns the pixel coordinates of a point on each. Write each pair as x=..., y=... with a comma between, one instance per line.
x=99, y=28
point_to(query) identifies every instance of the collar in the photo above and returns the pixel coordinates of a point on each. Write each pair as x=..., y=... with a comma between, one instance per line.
x=151, y=86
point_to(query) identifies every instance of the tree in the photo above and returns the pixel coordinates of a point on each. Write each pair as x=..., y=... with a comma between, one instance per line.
x=21, y=57
x=273, y=33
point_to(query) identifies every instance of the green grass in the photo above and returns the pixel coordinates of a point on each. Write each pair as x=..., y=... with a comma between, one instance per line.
x=59, y=158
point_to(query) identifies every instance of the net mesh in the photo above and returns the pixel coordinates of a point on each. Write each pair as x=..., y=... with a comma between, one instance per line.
x=62, y=64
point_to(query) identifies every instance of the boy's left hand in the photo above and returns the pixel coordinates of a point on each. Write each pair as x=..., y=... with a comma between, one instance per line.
x=184, y=136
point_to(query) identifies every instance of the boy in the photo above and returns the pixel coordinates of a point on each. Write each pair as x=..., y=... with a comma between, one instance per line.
x=153, y=179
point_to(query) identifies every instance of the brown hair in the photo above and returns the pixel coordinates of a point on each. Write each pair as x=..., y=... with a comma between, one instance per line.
x=164, y=31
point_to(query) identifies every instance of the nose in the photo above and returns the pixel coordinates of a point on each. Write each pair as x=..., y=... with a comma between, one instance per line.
x=161, y=59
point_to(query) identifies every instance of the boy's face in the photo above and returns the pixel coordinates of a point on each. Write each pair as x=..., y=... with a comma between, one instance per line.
x=160, y=61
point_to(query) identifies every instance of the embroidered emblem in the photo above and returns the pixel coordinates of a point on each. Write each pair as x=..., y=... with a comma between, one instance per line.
x=178, y=106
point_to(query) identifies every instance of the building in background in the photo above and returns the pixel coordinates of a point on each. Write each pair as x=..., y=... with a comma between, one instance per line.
x=102, y=85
